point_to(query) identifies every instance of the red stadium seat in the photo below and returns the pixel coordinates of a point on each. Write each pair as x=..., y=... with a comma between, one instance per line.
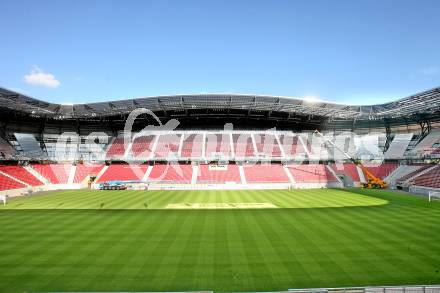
x=55, y=173
x=167, y=145
x=218, y=174
x=292, y=146
x=218, y=145
x=243, y=145
x=142, y=146
x=175, y=173
x=21, y=174
x=267, y=145
x=313, y=173
x=265, y=174
x=192, y=146
x=429, y=179
x=122, y=172
x=117, y=149
x=348, y=169
x=383, y=170
x=84, y=170
x=7, y=183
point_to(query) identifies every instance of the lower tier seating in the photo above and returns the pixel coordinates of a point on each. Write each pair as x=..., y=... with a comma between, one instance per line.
x=265, y=174
x=122, y=172
x=7, y=183
x=348, y=169
x=55, y=173
x=21, y=174
x=383, y=170
x=218, y=174
x=175, y=173
x=429, y=179
x=82, y=171
x=313, y=173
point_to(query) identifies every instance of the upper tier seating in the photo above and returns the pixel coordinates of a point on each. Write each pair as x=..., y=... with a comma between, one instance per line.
x=265, y=174
x=398, y=146
x=243, y=145
x=21, y=174
x=6, y=150
x=425, y=145
x=29, y=145
x=143, y=146
x=167, y=146
x=122, y=172
x=267, y=145
x=218, y=174
x=381, y=171
x=7, y=183
x=176, y=173
x=84, y=170
x=192, y=145
x=348, y=169
x=218, y=145
x=313, y=173
x=429, y=179
x=55, y=173
x=117, y=149
x=292, y=146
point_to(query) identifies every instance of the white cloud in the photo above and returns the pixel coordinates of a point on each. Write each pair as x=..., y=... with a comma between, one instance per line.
x=430, y=70
x=39, y=78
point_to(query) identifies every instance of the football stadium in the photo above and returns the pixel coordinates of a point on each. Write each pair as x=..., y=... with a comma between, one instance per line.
x=295, y=195
x=220, y=146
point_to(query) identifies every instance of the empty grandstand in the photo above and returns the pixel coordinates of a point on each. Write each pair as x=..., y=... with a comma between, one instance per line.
x=270, y=143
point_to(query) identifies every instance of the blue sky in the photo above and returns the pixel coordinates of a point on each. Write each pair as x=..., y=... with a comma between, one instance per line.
x=358, y=52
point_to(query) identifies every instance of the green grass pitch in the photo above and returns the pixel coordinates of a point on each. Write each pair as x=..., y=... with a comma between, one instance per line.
x=131, y=241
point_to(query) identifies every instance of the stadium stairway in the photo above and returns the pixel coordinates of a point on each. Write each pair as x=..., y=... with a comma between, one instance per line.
x=71, y=175
x=21, y=174
x=330, y=169
x=147, y=174
x=35, y=173
x=195, y=174
x=242, y=175
x=83, y=171
x=289, y=175
x=54, y=173
x=8, y=182
x=103, y=170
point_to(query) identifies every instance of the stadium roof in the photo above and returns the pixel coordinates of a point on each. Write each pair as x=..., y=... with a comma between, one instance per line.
x=427, y=102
